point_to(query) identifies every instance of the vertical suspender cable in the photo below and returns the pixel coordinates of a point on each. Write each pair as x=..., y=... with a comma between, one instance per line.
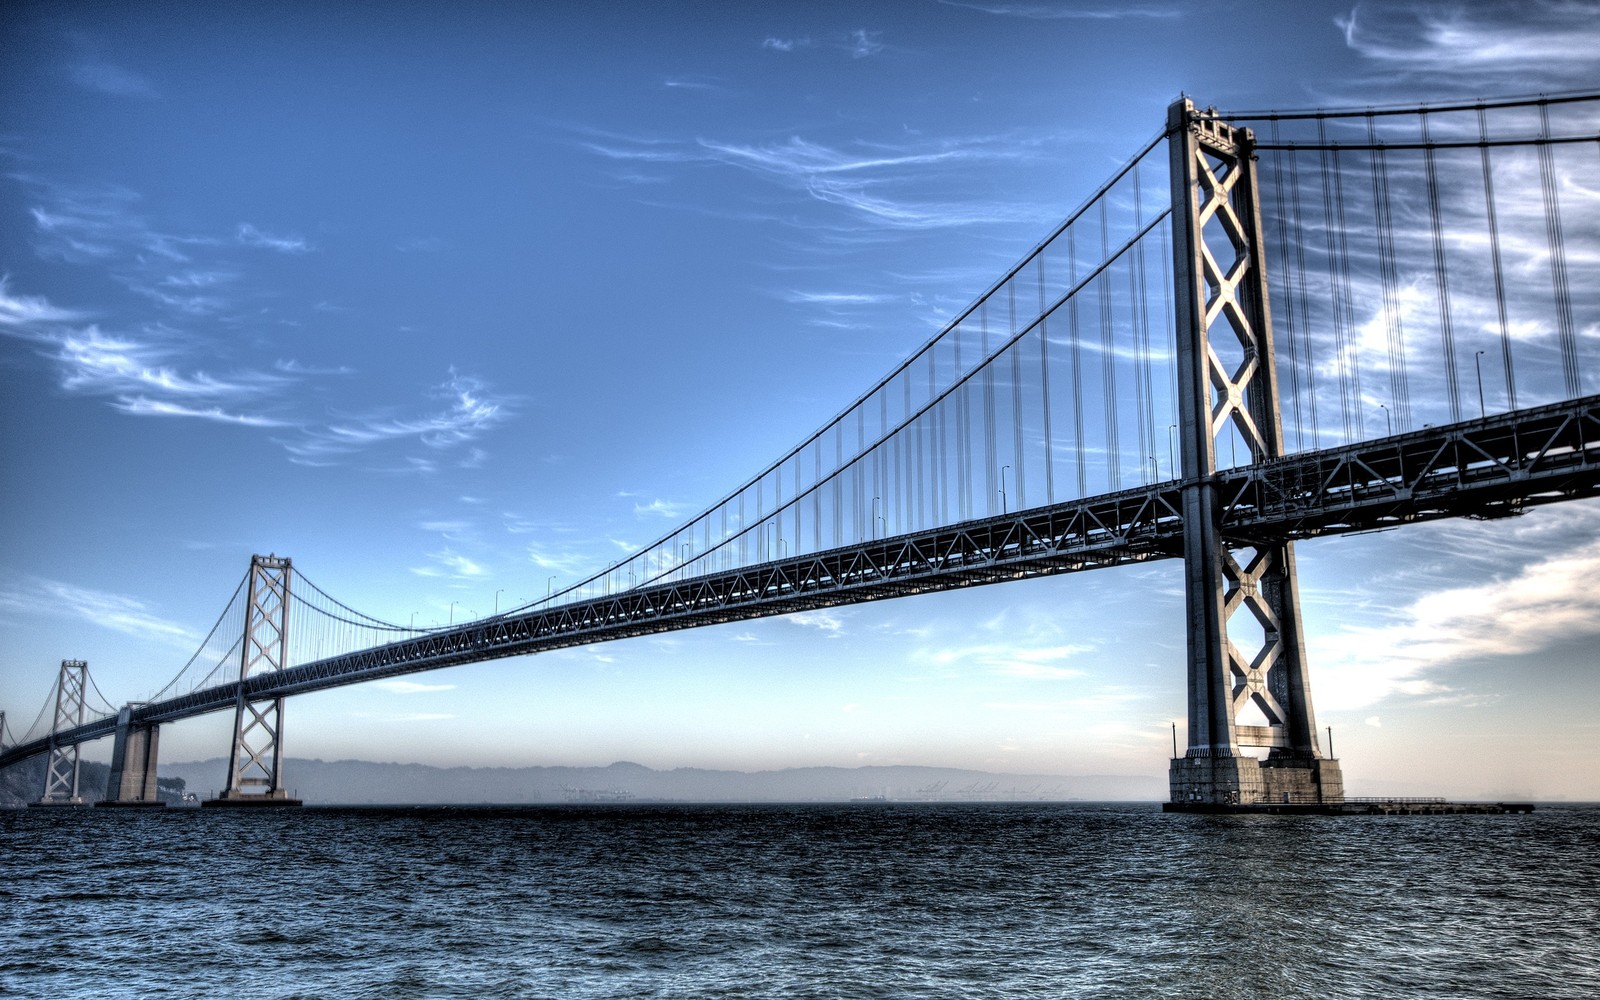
x=1286, y=263
x=1558, y=260
x=1108, y=358
x=1077, y=365
x=1018, y=453
x=1353, y=339
x=1389, y=280
x=1044, y=388
x=1335, y=288
x=1141, y=332
x=1494, y=251
x=1441, y=276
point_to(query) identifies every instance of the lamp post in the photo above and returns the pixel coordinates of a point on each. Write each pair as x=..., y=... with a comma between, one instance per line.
x=497, y=600
x=1003, y=470
x=1387, y=421
x=548, y=585
x=1172, y=448
x=453, y=611
x=1477, y=362
x=1155, y=469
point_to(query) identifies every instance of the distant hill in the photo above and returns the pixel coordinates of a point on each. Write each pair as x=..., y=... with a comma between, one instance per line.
x=356, y=782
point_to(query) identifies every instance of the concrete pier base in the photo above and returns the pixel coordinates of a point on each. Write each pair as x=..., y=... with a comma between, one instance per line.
x=132, y=781
x=270, y=800
x=1245, y=781
x=57, y=803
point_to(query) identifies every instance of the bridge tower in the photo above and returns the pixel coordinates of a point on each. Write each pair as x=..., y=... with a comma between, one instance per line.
x=255, y=761
x=1238, y=590
x=61, y=770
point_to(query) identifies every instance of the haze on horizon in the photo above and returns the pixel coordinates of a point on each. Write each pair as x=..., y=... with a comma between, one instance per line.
x=455, y=306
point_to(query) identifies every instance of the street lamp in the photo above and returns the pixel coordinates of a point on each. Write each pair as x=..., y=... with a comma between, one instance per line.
x=1172, y=448
x=548, y=585
x=453, y=611
x=1387, y=421
x=497, y=600
x=873, y=528
x=1477, y=362
x=1003, y=470
x=1155, y=469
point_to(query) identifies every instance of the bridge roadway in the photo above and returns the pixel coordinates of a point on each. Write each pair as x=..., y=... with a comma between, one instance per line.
x=1487, y=468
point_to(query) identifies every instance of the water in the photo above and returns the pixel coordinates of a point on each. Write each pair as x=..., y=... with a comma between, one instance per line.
x=797, y=901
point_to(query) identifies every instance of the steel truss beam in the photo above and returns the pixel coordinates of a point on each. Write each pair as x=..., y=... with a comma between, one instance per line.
x=1497, y=467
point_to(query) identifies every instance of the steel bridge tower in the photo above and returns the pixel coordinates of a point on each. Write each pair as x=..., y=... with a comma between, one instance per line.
x=61, y=771
x=1237, y=590
x=255, y=761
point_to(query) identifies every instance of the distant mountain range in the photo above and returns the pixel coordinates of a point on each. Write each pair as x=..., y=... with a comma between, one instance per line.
x=356, y=782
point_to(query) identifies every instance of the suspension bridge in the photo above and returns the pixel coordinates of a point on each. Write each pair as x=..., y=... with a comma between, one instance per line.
x=1265, y=327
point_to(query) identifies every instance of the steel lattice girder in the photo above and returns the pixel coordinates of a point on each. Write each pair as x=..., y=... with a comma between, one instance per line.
x=1480, y=468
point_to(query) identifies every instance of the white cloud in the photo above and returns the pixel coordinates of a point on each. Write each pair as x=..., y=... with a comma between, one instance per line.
x=1069, y=9
x=96, y=607
x=472, y=412
x=1519, y=615
x=859, y=179
x=826, y=622
x=104, y=78
x=449, y=563
x=250, y=236
x=140, y=406
x=658, y=508
x=865, y=43
x=1017, y=660
x=1492, y=44
x=27, y=311
x=410, y=687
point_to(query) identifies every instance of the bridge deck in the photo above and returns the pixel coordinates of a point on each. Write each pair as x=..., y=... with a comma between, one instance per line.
x=1486, y=468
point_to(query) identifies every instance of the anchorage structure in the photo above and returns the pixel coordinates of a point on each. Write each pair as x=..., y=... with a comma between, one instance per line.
x=1234, y=587
x=255, y=762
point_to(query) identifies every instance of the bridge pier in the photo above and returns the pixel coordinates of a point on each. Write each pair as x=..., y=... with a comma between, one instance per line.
x=255, y=761
x=1248, y=684
x=132, y=783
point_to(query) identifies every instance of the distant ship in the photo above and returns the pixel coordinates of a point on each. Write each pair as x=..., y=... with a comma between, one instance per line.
x=870, y=798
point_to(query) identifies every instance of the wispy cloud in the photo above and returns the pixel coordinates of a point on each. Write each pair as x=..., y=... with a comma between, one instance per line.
x=106, y=78
x=658, y=508
x=411, y=687
x=250, y=236
x=884, y=184
x=26, y=311
x=470, y=411
x=692, y=83
x=449, y=563
x=140, y=406
x=1070, y=10
x=836, y=298
x=1506, y=45
x=1017, y=660
x=127, y=615
x=864, y=43
x=785, y=44
x=825, y=622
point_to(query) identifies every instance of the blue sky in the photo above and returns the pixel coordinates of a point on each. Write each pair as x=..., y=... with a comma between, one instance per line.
x=443, y=302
